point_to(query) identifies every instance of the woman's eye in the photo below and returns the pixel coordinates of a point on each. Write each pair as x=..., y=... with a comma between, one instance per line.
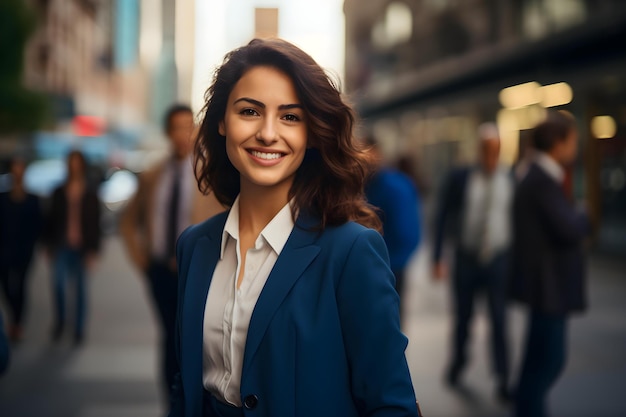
x=291, y=117
x=248, y=112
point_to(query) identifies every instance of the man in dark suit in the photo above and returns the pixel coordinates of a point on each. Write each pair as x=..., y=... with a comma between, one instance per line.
x=548, y=262
x=475, y=210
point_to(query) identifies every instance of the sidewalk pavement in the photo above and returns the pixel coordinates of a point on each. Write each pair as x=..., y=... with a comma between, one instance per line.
x=595, y=375
x=114, y=374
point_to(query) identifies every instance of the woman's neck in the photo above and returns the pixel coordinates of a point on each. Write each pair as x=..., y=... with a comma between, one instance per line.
x=259, y=205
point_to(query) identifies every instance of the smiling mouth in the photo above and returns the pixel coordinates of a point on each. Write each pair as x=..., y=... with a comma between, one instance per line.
x=268, y=156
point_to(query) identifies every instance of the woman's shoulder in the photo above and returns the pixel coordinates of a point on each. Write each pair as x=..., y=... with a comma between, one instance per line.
x=208, y=227
x=350, y=228
x=347, y=234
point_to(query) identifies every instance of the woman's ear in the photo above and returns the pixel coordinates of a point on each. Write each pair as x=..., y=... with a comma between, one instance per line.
x=221, y=129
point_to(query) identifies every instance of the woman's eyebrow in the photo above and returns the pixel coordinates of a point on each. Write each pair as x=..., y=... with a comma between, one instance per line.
x=289, y=106
x=251, y=101
x=262, y=105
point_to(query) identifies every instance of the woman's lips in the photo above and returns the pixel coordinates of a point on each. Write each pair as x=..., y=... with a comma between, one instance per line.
x=265, y=158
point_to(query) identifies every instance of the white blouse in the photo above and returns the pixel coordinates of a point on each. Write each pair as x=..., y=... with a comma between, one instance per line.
x=228, y=308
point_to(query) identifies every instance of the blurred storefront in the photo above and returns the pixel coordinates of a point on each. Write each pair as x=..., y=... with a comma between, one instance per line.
x=424, y=74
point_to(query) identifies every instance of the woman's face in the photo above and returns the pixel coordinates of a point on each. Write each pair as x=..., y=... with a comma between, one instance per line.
x=265, y=129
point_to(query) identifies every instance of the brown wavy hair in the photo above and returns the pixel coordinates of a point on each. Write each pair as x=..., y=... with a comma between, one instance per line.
x=329, y=183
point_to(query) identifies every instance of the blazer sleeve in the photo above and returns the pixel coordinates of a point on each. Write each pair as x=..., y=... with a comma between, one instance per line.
x=369, y=312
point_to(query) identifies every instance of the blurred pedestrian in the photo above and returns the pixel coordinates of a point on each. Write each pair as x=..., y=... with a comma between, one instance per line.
x=5, y=350
x=72, y=238
x=287, y=305
x=167, y=201
x=20, y=227
x=475, y=210
x=408, y=165
x=395, y=196
x=548, y=262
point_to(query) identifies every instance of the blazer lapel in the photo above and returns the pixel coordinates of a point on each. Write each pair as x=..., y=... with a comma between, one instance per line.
x=295, y=257
x=204, y=258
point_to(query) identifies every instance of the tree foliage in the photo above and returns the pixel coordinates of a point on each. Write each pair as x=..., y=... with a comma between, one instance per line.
x=20, y=109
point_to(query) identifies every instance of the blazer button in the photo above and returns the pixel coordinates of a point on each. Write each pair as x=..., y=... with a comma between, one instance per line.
x=250, y=402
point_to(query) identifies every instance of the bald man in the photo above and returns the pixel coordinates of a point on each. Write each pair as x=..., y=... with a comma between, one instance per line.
x=474, y=213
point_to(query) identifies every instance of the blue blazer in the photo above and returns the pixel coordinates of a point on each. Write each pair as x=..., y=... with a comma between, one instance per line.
x=324, y=338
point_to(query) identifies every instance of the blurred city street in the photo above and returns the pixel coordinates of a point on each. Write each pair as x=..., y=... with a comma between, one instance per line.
x=100, y=78
x=114, y=373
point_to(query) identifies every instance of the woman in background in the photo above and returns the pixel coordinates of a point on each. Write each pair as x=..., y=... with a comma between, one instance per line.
x=72, y=237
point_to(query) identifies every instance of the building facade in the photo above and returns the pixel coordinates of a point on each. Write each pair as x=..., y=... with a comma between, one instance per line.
x=69, y=55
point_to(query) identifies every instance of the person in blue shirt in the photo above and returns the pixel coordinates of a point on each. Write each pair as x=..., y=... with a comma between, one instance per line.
x=396, y=197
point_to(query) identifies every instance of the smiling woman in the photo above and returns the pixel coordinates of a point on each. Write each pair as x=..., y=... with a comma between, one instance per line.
x=288, y=295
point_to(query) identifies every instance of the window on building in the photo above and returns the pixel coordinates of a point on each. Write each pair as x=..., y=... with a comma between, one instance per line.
x=542, y=17
x=395, y=27
x=266, y=22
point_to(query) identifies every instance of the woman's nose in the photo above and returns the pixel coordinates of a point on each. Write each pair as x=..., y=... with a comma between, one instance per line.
x=267, y=133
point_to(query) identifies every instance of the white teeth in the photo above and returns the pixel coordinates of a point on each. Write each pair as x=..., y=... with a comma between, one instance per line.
x=266, y=155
